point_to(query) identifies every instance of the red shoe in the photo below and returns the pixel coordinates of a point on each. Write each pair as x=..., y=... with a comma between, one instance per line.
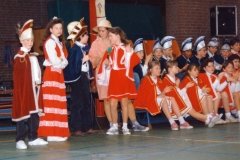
x=174, y=127
x=186, y=125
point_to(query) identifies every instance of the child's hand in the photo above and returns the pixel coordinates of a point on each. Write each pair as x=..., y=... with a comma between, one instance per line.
x=167, y=89
x=205, y=89
x=90, y=78
x=189, y=84
x=220, y=75
x=128, y=48
x=85, y=58
x=237, y=76
x=232, y=79
x=185, y=67
x=220, y=66
x=106, y=62
x=148, y=58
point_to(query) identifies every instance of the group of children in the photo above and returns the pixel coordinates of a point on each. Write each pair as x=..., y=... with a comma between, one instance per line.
x=195, y=85
x=198, y=84
x=41, y=102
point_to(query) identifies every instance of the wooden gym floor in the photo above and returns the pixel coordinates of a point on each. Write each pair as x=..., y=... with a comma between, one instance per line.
x=201, y=143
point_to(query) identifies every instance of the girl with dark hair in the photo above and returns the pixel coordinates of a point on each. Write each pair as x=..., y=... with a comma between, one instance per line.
x=182, y=99
x=54, y=124
x=198, y=96
x=236, y=94
x=207, y=78
x=151, y=97
x=228, y=83
x=48, y=32
x=235, y=46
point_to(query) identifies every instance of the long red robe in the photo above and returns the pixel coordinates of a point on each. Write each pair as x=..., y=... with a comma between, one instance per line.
x=25, y=98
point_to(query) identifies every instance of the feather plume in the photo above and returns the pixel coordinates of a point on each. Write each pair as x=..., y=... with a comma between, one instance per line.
x=18, y=28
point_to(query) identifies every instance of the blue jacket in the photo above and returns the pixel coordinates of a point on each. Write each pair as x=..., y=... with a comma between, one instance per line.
x=74, y=68
x=138, y=69
x=182, y=61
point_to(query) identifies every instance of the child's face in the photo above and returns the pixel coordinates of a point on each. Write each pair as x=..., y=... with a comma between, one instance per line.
x=209, y=68
x=27, y=43
x=202, y=52
x=114, y=38
x=173, y=69
x=236, y=64
x=236, y=47
x=84, y=39
x=229, y=69
x=57, y=30
x=187, y=53
x=225, y=53
x=155, y=70
x=140, y=54
x=167, y=52
x=158, y=53
x=103, y=32
x=194, y=72
x=212, y=49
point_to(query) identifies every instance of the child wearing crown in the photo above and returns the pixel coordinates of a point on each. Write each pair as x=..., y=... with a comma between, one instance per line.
x=27, y=94
x=78, y=74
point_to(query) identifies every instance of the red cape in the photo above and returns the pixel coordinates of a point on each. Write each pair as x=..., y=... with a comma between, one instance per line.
x=192, y=93
x=227, y=90
x=203, y=80
x=174, y=93
x=147, y=95
x=24, y=88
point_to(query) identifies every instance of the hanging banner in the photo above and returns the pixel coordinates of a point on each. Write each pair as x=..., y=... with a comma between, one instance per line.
x=100, y=8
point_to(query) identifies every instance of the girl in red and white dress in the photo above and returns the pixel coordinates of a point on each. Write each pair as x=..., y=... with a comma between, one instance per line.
x=213, y=82
x=151, y=97
x=181, y=96
x=206, y=78
x=235, y=59
x=198, y=96
x=228, y=84
x=54, y=124
x=120, y=59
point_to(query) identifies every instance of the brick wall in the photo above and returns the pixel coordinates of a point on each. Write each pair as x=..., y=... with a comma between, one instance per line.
x=184, y=18
x=190, y=18
x=12, y=12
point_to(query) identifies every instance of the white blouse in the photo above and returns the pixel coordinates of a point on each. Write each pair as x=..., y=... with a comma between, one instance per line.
x=54, y=60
